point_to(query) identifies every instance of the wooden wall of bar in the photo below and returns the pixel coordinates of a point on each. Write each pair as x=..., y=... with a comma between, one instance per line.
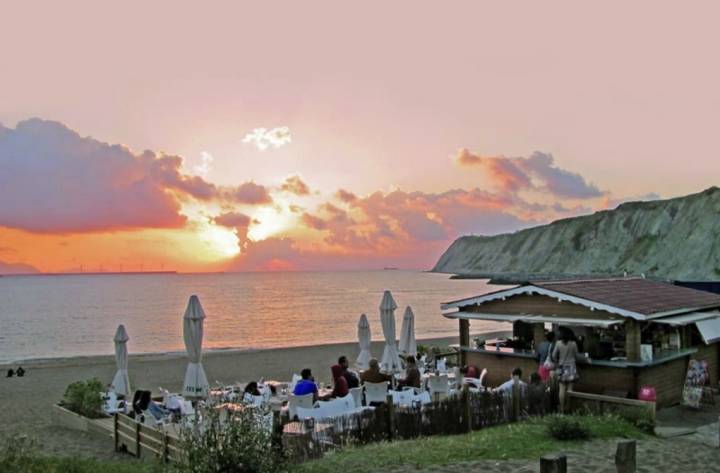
x=539, y=305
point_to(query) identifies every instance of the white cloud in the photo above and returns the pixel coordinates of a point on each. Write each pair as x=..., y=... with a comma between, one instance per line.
x=203, y=168
x=262, y=138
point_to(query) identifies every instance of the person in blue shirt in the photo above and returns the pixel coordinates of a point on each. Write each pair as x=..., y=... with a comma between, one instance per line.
x=306, y=385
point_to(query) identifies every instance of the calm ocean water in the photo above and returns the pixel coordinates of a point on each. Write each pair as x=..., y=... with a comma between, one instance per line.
x=57, y=316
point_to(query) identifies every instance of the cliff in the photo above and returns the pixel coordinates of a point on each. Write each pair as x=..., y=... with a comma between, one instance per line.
x=675, y=239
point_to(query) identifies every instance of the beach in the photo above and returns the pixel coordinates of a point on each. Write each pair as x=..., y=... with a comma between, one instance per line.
x=27, y=401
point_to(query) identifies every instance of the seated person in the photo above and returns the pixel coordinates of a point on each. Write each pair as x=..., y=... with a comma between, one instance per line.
x=373, y=374
x=412, y=374
x=507, y=386
x=470, y=371
x=350, y=377
x=306, y=385
x=536, y=395
x=340, y=384
x=20, y=372
x=10, y=373
x=251, y=392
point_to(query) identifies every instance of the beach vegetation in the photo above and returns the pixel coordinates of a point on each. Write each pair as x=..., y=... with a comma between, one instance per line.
x=84, y=398
x=518, y=441
x=239, y=444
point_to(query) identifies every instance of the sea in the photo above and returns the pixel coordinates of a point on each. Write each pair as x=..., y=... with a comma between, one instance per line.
x=57, y=316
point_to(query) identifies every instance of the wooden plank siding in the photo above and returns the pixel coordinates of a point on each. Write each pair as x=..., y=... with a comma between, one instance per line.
x=537, y=304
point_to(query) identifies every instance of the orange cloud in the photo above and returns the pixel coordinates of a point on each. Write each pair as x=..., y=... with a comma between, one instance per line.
x=295, y=185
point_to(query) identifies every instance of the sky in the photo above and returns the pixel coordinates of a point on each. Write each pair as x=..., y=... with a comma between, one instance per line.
x=246, y=136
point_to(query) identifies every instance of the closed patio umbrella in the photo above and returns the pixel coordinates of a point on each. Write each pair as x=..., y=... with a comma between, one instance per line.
x=363, y=358
x=408, y=346
x=196, y=384
x=390, y=362
x=121, y=381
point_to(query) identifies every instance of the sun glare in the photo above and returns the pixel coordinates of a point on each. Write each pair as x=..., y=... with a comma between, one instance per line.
x=271, y=223
x=222, y=240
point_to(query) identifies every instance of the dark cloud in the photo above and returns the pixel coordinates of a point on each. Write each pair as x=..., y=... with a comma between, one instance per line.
x=536, y=173
x=53, y=180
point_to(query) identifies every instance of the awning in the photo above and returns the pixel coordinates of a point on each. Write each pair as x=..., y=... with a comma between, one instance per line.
x=709, y=330
x=687, y=319
x=477, y=316
x=534, y=319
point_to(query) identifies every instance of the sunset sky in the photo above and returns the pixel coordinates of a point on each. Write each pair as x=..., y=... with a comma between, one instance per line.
x=328, y=135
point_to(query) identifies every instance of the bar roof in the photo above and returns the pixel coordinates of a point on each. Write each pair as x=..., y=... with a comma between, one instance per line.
x=636, y=298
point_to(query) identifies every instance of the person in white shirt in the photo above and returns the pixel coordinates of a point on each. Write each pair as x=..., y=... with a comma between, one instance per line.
x=507, y=387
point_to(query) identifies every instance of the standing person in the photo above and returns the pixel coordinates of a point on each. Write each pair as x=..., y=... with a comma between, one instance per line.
x=565, y=356
x=544, y=355
x=350, y=377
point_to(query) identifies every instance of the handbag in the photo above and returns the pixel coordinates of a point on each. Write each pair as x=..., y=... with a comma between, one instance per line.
x=548, y=363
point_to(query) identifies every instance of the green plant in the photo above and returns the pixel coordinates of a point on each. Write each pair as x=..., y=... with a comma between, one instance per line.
x=640, y=418
x=17, y=453
x=83, y=397
x=567, y=428
x=242, y=443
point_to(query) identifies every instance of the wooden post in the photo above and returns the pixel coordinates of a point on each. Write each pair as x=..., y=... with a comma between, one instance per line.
x=515, y=416
x=467, y=412
x=166, y=450
x=391, y=416
x=137, y=439
x=625, y=456
x=553, y=464
x=464, y=339
x=277, y=428
x=632, y=340
x=115, y=431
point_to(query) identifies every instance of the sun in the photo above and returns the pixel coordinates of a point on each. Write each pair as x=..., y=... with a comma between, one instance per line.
x=222, y=241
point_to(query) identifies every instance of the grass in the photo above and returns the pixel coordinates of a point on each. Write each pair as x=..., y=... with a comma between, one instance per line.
x=524, y=440
x=41, y=464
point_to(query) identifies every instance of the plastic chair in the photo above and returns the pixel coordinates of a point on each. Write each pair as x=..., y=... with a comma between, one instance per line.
x=294, y=402
x=439, y=386
x=403, y=398
x=293, y=382
x=376, y=392
x=357, y=394
x=441, y=365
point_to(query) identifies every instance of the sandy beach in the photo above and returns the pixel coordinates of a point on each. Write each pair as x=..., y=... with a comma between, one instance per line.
x=27, y=402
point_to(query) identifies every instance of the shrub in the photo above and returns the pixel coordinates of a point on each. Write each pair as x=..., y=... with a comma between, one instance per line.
x=239, y=444
x=640, y=418
x=83, y=397
x=17, y=453
x=567, y=428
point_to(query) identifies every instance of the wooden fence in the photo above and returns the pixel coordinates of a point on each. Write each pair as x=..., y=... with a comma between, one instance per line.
x=141, y=440
x=599, y=404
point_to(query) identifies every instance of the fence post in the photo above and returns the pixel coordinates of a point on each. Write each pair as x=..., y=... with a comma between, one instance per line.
x=391, y=416
x=515, y=402
x=277, y=429
x=553, y=464
x=625, y=456
x=467, y=413
x=115, y=431
x=137, y=439
x=166, y=450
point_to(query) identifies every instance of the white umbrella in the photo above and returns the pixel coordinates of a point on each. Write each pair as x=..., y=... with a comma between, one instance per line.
x=390, y=362
x=363, y=358
x=408, y=346
x=121, y=381
x=196, y=384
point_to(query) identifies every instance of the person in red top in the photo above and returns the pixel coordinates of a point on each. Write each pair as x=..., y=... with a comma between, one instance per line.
x=470, y=371
x=340, y=384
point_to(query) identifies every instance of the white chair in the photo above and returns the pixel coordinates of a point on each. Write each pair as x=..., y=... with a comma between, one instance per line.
x=439, y=386
x=293, y=382
x=294, y=402
x=482, y=376
x=357, y=394
x=404, y=397
x=376, y=392
x=112, y=405
x=423, y=398
x=441, y=365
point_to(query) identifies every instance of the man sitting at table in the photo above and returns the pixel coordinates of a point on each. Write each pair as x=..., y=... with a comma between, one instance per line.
x=306, y=385
x=373, y=374
x=350, y=377
x=412, y=374
x=507, y=386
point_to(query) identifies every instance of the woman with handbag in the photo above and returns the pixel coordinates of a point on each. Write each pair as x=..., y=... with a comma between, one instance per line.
x=544, y=353
x=565, y=356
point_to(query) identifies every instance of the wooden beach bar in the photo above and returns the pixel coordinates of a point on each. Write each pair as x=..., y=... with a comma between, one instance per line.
x=637, y=332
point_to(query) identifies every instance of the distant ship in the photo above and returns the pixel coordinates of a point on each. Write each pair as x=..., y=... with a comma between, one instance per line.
x=390, y=268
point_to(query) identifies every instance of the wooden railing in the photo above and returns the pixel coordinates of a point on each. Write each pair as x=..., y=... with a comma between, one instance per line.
x=599, y=404
x=141, y=440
